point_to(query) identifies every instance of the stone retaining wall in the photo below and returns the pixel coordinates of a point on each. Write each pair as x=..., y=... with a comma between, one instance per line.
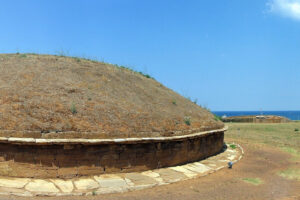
x=62, y=158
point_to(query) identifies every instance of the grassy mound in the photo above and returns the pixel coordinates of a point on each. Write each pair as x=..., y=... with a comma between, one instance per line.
x=62, y=97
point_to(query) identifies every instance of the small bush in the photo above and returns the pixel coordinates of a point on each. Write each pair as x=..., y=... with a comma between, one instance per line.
x=62, y=53
x=296, y=129
x=89, y=98
x=195, y=101
x=174, y=102
x=132, y=70
x=233, y=146
x=253, y=181
x=145, y=75
x=187, y=121
x=206, y=108
x=73, y=109
x=217, y=118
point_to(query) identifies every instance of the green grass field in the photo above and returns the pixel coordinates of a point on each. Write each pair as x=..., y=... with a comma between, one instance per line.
x=284, y=136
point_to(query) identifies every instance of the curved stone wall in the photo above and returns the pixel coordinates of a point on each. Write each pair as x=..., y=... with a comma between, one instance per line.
x=63, y=158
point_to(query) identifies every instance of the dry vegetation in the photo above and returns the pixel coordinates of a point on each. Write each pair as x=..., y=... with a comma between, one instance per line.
x=56, y=96
x=282, y=135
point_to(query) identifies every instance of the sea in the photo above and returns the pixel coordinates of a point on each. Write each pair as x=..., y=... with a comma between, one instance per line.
x=292, y=115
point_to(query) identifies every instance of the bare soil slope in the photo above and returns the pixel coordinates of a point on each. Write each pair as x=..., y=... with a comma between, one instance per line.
x=62, y=97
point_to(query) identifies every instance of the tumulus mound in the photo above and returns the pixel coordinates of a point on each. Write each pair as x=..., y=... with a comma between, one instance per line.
x=46, y=96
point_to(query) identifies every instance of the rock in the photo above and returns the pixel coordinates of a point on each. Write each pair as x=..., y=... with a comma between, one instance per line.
x=86, y=184
x=155, y=176
x=42, y=186
x=186, y=172
x=64, y=186
x=171, y=176
x=151, y=174
x=110, y=181
x=111, y=190
x=139, y=179
x=197, y=167
x=14, y=182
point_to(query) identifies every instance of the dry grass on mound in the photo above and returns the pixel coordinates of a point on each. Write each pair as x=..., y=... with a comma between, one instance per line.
x=70, y=97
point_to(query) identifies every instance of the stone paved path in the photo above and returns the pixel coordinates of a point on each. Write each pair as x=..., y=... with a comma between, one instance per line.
x=115, y=183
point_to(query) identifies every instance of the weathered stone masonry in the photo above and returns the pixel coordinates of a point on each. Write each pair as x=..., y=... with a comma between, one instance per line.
x=71, y=158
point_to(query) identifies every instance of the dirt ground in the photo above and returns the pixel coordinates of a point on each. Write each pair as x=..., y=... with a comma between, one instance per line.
x=260, y=161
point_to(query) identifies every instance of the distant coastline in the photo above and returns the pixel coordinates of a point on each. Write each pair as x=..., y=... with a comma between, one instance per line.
x=292, y=115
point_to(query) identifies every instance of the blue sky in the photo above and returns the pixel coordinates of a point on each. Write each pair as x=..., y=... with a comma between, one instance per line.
x=228, y=54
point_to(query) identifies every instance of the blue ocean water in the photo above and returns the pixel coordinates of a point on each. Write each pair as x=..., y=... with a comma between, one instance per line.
x=292, y=115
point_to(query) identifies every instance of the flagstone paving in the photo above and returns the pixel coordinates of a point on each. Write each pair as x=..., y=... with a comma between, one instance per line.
x=116, y=183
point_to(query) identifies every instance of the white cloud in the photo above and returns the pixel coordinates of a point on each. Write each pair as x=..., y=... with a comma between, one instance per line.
x=287, y=8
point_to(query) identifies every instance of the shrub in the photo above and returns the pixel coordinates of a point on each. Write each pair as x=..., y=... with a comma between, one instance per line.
x=206, y=108
x=73, y=108
x=132, y=70
x=174, y=102
x=233, y=146
x=187, y=121
x=62, y=53
x=217, y=118
x=296, y=129
x=195, y=101
x=145, y=75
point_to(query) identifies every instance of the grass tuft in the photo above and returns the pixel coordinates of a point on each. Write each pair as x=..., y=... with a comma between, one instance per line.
x=73, y=109
x=253, y=181
x=187, y=120
x=145, y=75
x=293, y=152
x=77, y=59
x=217, y=118
x=291, y=174
x=195, y=101
x=23, y=55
